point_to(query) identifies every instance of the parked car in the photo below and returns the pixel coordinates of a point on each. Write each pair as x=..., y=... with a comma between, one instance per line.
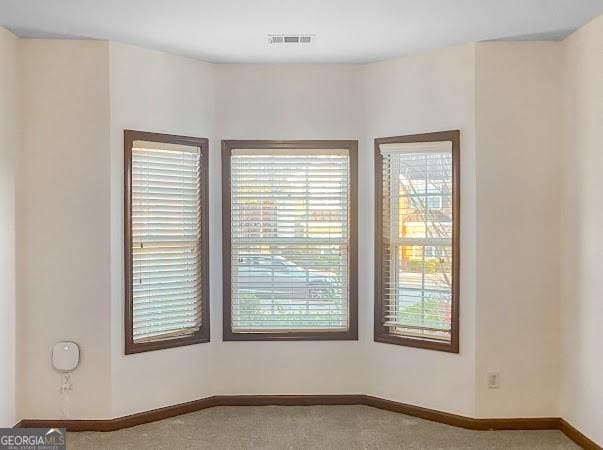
x=266, y=276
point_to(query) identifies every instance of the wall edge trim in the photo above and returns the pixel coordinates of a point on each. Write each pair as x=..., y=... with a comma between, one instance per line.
x=577, y=436
x=480, y=424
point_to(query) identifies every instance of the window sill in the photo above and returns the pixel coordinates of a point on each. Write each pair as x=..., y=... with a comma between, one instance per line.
x=292, y=336
x=141, y=347
x=449, y=347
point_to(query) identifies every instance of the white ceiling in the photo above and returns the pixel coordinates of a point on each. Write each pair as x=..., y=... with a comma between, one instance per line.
x=347, y=31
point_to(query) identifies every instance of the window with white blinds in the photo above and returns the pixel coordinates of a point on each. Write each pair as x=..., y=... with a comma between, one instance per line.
x=166, y=243
x=291, y=259
x=418, y=241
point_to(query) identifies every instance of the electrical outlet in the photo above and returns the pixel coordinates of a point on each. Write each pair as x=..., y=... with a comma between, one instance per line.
x=493, y=380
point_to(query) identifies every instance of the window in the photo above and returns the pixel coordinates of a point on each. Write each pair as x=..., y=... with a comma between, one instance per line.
x=434, y=202
x=417, y=240
x=289, y=240
x=166, y=241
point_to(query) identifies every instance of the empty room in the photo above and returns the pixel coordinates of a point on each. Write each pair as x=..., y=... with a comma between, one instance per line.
x=317, y=224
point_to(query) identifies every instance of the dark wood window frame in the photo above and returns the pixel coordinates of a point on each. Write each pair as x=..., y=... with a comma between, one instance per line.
x=203, y=334
x=352, y=332
x=381, y=334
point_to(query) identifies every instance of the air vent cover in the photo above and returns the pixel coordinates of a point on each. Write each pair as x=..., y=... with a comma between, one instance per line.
x=290, y=38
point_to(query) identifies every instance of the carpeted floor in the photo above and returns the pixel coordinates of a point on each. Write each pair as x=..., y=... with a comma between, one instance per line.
x=309, y=427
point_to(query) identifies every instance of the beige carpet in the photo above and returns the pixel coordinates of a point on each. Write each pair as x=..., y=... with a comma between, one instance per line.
x=309, y=427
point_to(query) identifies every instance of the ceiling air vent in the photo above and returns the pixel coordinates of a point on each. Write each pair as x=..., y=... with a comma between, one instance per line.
x=290, y=38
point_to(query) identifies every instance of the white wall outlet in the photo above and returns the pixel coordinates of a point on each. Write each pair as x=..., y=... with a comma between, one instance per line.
x=493, y=380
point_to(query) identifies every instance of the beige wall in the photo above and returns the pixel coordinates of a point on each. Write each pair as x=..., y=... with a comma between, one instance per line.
x=8, y=151
x=175, y=96
x=517, y=123
x=415, y=94
x=284, y=102
x=581, y=232
x=63, y=218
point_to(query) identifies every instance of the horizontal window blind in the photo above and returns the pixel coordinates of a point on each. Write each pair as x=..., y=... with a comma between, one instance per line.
x=417, y=239
x=166, y=240
x=289, y=240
